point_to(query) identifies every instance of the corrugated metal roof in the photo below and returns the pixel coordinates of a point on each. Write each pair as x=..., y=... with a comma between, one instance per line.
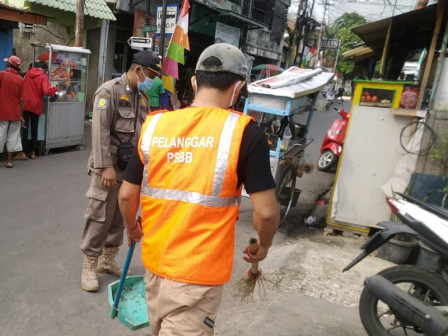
x=414, y=28
x=360, y=53
x=93, y=8
x=297, y=88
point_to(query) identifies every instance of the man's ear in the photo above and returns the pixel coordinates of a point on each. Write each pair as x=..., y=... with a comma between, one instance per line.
x=194, y=83
x=138, y=68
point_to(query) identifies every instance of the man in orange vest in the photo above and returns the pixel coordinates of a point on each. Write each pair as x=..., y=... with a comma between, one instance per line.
x=188, y=172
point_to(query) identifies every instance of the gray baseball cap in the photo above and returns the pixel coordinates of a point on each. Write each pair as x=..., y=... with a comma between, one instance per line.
x=231, y=58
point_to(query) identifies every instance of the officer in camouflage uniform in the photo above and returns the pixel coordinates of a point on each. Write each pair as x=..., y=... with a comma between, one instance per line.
x=120, y=108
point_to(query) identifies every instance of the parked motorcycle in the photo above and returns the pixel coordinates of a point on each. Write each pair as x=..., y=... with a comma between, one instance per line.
x=332, y=143
x=408, y=299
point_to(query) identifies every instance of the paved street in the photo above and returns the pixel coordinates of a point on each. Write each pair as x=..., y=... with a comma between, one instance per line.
x=42, y=206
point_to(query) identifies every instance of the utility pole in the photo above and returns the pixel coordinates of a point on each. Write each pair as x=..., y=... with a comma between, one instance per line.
x=162, y=31
x=300, y=32
x=337, y=55
x=319, y=41
x=292, y=56
x=147, y=21
x=306, y=32
x=79, y=23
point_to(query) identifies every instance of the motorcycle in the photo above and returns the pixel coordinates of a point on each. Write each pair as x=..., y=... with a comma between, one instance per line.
x=408, y=299
x=332, y=143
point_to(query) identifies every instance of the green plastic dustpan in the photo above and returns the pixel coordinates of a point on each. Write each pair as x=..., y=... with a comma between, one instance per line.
x=127, y=297
x=132, y=308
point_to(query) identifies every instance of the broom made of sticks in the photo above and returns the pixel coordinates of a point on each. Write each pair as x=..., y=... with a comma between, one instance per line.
x=246, y=286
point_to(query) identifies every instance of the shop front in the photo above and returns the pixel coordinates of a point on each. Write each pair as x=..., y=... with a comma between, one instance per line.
x=62, y=121
x=393, y=117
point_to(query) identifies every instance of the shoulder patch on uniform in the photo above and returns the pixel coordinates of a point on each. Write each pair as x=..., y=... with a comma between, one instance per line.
x=124, y=97
x=102, y=103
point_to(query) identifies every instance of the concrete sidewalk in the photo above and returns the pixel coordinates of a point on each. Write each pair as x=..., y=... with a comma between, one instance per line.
x=290, y=314
x=42, y=206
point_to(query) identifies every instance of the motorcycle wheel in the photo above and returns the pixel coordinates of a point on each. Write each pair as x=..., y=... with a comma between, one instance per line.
x=424, y=284
x=326, y=161
x=286, y=184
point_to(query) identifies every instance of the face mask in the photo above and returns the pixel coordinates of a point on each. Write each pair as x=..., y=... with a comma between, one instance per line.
x=233, y=93
x=146, y=84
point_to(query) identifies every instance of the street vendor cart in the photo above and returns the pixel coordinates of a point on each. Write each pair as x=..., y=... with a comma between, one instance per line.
x=379, y=154
x=62, y=120
x=283, y=106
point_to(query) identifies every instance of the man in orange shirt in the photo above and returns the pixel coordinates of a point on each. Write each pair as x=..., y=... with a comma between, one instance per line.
x=11, y=89
x=190, y=167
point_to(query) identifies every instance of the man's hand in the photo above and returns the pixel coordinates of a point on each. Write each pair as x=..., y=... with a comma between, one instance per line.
x=135, y=232
x=109, y=178
x=258, y=256
x=22, y=121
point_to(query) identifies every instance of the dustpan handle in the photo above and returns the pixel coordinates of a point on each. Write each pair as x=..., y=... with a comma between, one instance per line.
x=114, y=310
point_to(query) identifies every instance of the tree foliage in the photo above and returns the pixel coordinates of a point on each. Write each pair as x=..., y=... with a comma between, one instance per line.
x=341, y=30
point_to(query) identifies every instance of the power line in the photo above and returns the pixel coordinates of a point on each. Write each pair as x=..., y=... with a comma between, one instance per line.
x=371, y=10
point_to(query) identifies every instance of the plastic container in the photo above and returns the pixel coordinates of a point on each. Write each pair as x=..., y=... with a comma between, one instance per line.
x=409, y=98
x=132, y=308
x=287, y=135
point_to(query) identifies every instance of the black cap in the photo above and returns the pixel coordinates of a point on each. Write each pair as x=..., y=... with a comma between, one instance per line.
x=42, y=65
x=149, y=60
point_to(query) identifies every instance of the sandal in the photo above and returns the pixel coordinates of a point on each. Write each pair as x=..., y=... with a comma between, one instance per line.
x=9, y=165
x=20, y=156
x=32, y=157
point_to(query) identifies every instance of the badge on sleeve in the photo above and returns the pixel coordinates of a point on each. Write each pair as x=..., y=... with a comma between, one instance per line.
x=102, y=103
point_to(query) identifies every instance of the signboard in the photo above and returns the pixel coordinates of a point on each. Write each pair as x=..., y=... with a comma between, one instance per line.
x=140, y=43
x=230, y=5
x=329, y=61
x=330, y=44
x=171, y=18
x=149, y=28
x=227, y=34
x=139, y=22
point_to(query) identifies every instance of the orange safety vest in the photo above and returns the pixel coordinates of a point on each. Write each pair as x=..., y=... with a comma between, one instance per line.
x=189, y=195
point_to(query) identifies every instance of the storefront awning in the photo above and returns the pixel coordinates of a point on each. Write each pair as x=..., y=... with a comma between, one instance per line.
x=414, y=28
x=9, y=13
x=93, y=8
x=360, y=53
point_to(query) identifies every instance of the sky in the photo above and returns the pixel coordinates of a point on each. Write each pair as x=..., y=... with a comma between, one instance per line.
x=372, y=10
